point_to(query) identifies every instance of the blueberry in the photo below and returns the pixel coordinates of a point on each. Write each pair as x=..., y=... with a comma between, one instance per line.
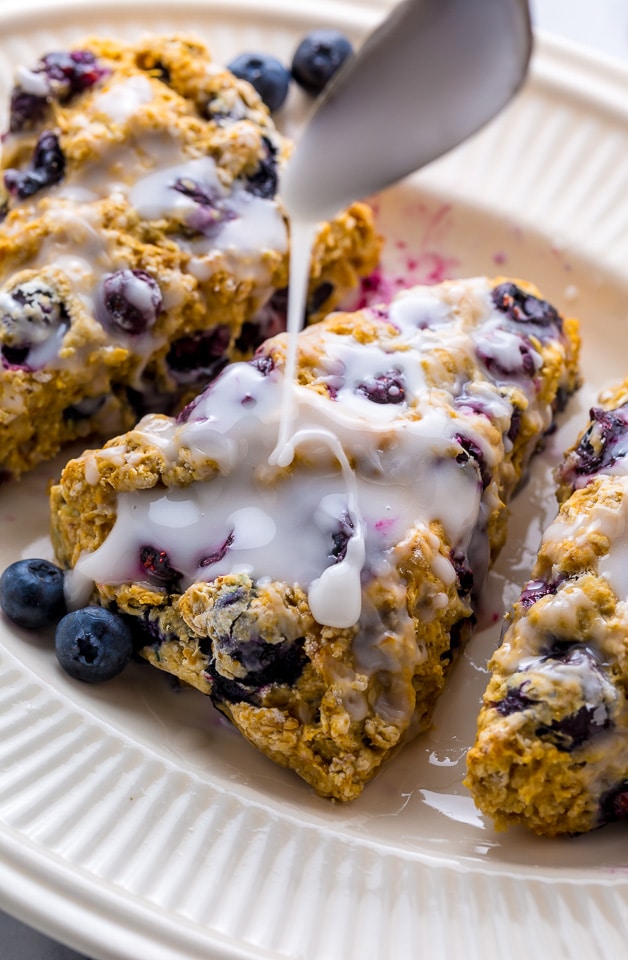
x=31, y=593
x=88, y=407
x=264, y=181
x=341, y=537
x=266, y=74
x=508, y=362
x=93, y=644
x=218, y=554
x=317, y=58
x=200, y=354
x=156, y=564
x=265, y=663
x=72, y=72
x=536, y=589
x=514, y=702
x=464, y=574
x=388, y=387
x=31, y=311
x=471, y=451
x=212, y=210
x=605, y=441
x=264, y=363
x=572, y=731
x=522, y=307
x=132, y=300
x=268, y=321
x=614, y=804
x=320, y=294
x=46, y=169
x=64, y=74
x=26, y=110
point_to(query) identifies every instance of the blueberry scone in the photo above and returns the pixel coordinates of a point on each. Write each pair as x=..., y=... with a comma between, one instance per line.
x=318, y=589
x=142, y=242
x=552, y=744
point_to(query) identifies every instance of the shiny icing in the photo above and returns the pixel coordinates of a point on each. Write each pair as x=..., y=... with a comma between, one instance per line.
x=383, y=470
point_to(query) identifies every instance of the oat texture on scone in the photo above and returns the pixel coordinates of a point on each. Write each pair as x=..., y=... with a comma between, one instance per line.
x=552, y=744
x=309, y=553
x=143, y=243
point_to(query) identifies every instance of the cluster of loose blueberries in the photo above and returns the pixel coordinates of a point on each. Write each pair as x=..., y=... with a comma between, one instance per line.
x=317, y=58
x=92, y=644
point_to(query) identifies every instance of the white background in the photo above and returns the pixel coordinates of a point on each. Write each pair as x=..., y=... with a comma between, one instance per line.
x=598, y=24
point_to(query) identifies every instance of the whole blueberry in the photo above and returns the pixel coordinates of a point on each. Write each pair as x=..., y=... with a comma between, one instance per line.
x=93, y=644
x=31, y=593
x=266, y=74
x=132, y=300
x=317, y=58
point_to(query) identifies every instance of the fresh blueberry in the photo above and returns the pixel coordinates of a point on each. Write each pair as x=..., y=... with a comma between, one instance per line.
x=267, y=74
x=522, y=307
x=31, y=593
x=132, y=300
x=93, y=644
x=318, y=57
x=46, y=169
x=388, y=387
x=200, y=354
x=156, y=564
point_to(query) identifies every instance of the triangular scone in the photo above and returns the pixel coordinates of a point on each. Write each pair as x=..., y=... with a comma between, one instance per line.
x=142, y=241
x=321, y=604
x=552, y=745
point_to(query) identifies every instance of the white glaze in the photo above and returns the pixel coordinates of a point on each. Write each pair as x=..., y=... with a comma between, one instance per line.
x=388, y=467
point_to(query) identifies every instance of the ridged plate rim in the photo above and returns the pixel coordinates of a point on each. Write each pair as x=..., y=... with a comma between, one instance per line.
x=401, y=896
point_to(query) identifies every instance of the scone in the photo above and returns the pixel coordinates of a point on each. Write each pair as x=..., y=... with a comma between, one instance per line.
x=142, y=243
x=319, y=589
x=552, y=744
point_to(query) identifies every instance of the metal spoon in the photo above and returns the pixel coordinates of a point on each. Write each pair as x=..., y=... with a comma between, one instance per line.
x=428, y=77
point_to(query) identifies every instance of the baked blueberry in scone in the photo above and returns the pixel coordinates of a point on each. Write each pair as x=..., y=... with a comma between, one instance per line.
x=319, y=590
x=143, y=243
x=552, y=744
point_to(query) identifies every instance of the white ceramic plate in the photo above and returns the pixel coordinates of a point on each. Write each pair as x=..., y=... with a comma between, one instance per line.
x=133, y=821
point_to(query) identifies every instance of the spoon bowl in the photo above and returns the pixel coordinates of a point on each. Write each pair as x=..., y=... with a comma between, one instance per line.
x=428, y=77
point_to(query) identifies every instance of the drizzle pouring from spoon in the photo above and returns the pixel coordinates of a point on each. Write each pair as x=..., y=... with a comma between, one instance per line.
x=431, y=75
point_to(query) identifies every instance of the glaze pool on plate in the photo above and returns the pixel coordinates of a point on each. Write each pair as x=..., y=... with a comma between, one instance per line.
x=131, y=815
